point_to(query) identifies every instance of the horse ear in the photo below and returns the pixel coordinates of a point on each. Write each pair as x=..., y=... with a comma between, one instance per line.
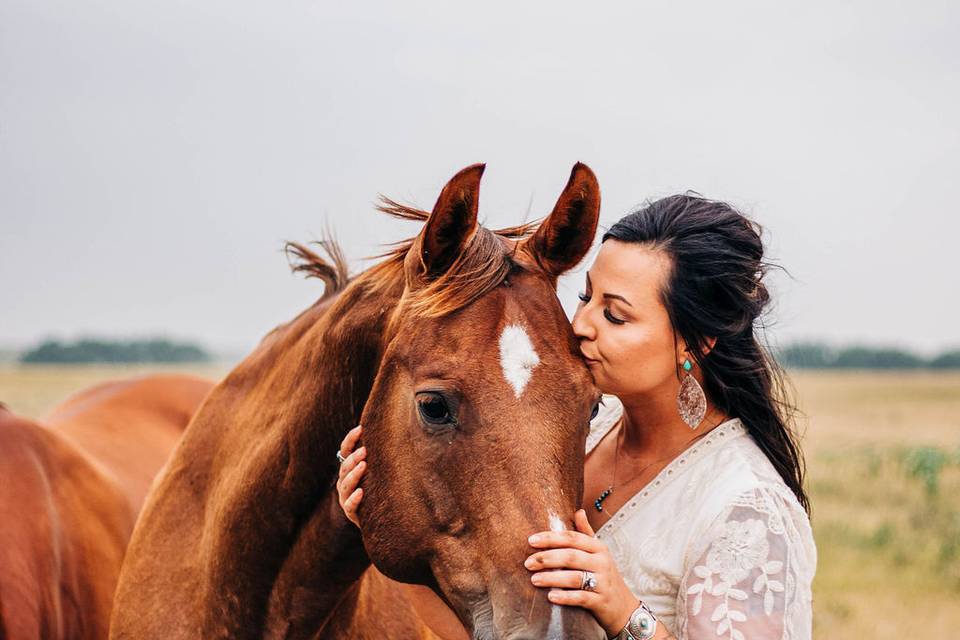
x=452, y=221
x=565, y=237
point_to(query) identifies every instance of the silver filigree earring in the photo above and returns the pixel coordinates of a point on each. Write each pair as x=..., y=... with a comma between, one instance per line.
x=691, y=401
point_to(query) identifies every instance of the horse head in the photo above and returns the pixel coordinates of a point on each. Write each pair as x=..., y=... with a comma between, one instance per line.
x=478, y=414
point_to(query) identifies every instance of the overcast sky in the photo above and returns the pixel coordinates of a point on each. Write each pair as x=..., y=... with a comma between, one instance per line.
x=155, y=155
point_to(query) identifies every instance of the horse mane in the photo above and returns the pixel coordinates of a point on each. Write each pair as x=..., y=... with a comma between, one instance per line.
x=333, y=273
x=483, y=265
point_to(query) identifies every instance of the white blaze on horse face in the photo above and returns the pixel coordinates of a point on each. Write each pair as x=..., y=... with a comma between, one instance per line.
x=555, y=629
x=517, y=357
x=556, y=524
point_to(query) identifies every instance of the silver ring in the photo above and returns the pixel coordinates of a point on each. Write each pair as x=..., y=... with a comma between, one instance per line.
x=588, y=582
x=340, y=458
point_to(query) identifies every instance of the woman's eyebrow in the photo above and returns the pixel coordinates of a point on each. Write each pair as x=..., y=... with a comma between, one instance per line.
x=613, y=295
x=608, y=295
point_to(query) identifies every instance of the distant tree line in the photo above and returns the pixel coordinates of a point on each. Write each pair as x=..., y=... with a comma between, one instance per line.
x=804, y=355
x=114, y=351
x=815, y=355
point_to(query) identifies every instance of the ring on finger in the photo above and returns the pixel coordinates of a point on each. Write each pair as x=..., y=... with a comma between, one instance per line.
x=340, y=457
x=588, y=582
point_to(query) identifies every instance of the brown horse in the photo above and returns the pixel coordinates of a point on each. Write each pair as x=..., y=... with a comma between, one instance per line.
x=69, y=494
x=456, y=356
x=131, y=426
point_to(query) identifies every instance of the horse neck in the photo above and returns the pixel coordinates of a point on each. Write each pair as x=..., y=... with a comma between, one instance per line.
x=280, y=417
x=310, y=379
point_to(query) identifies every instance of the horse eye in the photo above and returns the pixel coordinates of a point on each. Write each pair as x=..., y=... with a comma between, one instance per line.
x=433, y=408
x=596, y=410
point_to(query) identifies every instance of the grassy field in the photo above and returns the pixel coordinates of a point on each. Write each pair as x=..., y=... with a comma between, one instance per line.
x=32, y=390
x=883, y=456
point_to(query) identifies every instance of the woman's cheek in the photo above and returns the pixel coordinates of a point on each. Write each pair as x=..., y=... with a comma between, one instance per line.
x=619, y=371
x=632, y=366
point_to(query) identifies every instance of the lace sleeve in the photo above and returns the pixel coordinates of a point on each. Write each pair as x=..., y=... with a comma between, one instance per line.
x=752, y=578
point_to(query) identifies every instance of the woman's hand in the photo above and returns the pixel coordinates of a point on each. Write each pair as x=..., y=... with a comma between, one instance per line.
x=351, y=470
x=560, y=563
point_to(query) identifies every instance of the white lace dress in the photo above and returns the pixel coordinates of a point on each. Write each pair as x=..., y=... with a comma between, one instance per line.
x=716, y=545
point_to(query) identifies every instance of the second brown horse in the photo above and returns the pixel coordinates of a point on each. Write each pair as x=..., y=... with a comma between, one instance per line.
x=70, y=489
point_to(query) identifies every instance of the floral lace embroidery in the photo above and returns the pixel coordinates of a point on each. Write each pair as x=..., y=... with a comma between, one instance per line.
x=740, y=549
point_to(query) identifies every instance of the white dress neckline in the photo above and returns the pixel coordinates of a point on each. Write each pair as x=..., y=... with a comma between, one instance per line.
x=721, y=433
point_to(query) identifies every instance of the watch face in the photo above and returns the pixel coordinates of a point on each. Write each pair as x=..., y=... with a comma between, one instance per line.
x=642, y=624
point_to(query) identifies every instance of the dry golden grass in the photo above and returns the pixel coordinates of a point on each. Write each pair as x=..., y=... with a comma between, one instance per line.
x=32, y=390
x=883, y=454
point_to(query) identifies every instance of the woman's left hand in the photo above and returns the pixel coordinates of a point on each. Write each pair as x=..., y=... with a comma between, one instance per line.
x=562, y=558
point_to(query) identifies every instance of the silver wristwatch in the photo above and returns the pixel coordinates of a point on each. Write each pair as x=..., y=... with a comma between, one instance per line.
x=642, y=625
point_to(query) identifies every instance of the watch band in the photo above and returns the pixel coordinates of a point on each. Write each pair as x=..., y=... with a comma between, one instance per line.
x=642, y=625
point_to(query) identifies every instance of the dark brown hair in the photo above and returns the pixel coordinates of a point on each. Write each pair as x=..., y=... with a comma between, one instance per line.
x=715, y=289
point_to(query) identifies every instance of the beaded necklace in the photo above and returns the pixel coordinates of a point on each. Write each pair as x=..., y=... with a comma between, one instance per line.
x=598, y=503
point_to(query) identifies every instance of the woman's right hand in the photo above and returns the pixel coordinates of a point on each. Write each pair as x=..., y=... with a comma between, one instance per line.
x=351, y=470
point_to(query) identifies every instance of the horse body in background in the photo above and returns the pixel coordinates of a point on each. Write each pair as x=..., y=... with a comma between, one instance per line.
x=131, y=426
x=456, y=356
x=70, y=490
x=65, y=525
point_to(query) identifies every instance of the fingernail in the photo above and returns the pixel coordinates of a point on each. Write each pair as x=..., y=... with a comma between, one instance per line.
x=361, y=464
x=528, y=563
x=535, y=578
x=534, y=539
x=361, y=452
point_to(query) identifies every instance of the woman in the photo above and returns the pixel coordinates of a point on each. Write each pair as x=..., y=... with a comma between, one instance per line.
x=695, y=521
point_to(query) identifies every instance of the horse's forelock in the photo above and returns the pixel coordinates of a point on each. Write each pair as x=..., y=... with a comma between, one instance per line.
x=484, y=264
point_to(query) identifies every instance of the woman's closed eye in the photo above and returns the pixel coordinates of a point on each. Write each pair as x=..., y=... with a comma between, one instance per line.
x=585, y=298
x=612, y=318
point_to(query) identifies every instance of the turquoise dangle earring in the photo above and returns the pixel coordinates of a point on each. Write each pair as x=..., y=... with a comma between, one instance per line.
x=691, y=401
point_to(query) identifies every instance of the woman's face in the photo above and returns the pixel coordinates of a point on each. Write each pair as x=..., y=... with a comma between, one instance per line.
x=623, y=327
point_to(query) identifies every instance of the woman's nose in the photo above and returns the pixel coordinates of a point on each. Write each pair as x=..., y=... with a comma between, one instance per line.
x=582, y=327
